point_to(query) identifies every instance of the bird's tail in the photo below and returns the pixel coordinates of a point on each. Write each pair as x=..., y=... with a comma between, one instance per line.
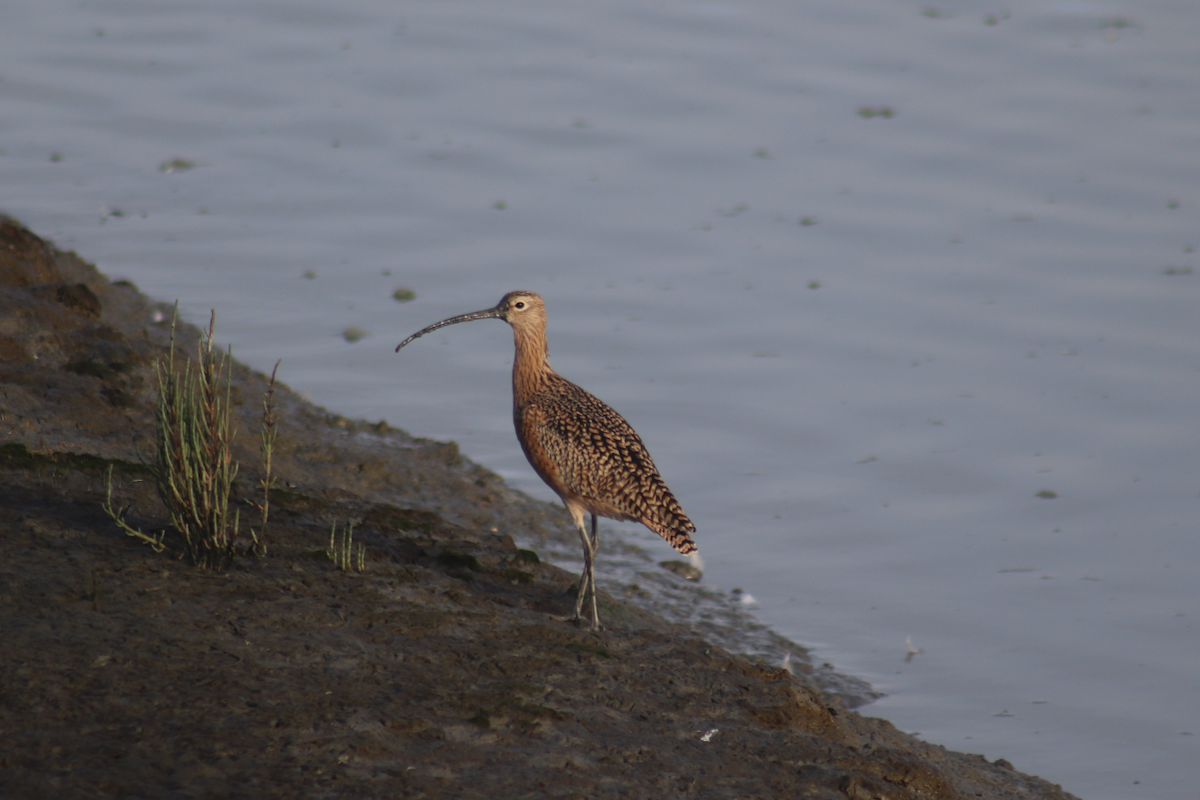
x=676, y=537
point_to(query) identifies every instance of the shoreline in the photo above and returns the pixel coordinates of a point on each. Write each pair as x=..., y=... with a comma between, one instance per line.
x=438, y=670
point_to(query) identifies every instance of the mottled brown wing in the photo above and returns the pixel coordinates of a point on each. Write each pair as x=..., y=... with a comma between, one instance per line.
x=599, y=458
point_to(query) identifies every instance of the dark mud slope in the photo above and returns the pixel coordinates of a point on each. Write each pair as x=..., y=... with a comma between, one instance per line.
x=440, y=670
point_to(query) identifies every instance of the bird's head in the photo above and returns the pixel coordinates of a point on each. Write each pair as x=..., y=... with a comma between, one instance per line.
x=523, y=310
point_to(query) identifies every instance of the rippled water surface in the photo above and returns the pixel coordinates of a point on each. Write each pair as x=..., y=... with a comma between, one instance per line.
x=901, y=295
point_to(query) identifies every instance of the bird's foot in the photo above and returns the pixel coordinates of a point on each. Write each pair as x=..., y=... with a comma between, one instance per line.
x=583, y=622
x=579, y=621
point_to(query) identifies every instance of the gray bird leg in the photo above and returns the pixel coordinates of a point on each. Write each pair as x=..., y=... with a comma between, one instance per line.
x=585, y=575
x=587, y=581
x=592, y=574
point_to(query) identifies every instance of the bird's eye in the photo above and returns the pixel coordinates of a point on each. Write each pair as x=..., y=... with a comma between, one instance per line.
x=519, y=304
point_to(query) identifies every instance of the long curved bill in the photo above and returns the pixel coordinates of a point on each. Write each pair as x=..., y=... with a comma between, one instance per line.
x=496, y=312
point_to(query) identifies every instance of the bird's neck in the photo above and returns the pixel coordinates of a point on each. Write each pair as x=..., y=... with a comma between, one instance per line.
x=531, y=364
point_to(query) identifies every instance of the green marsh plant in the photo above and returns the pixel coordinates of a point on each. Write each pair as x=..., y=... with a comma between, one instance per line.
x=342, y=552
x=193, y=464
x=266, y=447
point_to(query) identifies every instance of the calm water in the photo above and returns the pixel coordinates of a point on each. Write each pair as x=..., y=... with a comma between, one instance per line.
x=867, y=276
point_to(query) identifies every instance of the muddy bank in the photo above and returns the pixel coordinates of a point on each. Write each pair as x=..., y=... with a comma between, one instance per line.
x=438, y=670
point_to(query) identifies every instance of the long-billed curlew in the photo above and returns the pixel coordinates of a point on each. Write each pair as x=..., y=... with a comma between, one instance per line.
x=581, y=448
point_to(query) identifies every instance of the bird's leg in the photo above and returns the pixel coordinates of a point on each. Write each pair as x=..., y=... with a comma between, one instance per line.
x=589, y=556
x=587, y=580
x=585, y=576
x=591, y=568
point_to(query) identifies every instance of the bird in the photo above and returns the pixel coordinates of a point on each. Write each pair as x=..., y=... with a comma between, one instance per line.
x=584, y=450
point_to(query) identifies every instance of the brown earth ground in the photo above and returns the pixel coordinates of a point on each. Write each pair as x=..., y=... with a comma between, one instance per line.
x=438, y=671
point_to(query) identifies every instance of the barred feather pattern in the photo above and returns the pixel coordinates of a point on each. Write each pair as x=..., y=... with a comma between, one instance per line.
x=591, y=456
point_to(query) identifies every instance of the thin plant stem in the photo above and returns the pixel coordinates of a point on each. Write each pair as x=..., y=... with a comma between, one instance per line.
x=266, y=447
x=118, y=516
